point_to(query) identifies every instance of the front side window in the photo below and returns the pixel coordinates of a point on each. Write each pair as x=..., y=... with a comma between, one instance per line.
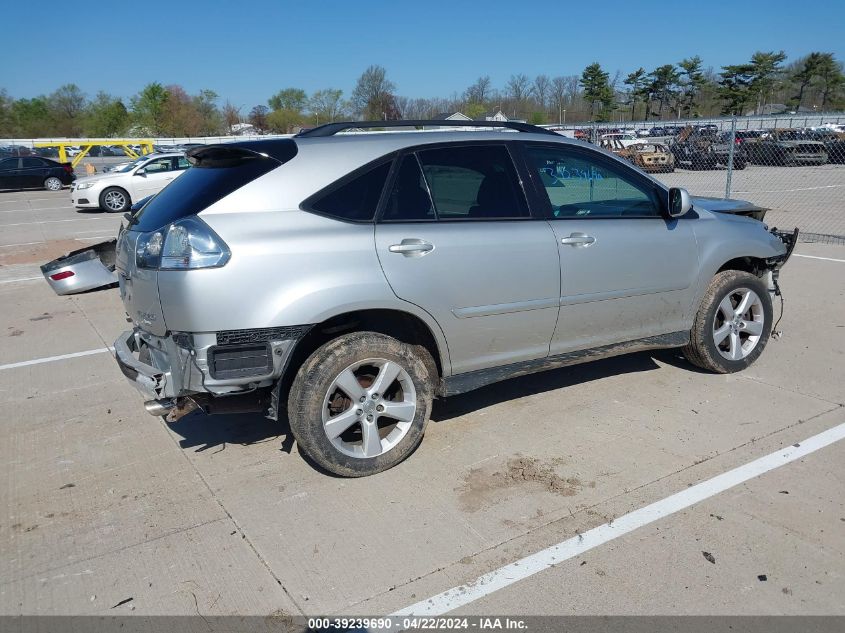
x=9, y=163
x=182, y=163
x=473, y=183
x=158, y=165
x=580, y=187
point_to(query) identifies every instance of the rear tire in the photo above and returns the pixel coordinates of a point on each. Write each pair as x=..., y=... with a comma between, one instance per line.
x=115, y=200
x=732, y=325
x=359, y=404
x=53, y=184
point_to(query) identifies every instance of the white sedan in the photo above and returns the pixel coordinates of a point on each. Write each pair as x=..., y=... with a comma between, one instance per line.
x=115, y=191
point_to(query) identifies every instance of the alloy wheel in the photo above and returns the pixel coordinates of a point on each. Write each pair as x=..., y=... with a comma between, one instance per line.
x=369, y=408
x=114, y=200
x=738, y=324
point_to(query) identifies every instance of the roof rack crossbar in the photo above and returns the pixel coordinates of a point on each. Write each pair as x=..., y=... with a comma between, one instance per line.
x=330, y=129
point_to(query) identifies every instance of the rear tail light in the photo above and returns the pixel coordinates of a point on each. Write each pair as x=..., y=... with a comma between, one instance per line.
x=62, y=275
x=187, y=244
x=67, y=167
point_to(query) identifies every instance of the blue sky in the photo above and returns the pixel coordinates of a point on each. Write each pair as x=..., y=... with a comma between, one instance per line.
x=246, y=51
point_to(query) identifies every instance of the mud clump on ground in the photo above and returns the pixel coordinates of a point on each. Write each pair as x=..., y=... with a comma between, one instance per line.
x=521, y=469
x=483, y=487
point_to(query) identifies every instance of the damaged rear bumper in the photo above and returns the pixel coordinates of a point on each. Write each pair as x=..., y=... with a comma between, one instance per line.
x=83, y=269
x=203, y=367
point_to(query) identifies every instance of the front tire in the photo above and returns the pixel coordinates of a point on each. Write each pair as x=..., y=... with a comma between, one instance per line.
x=732, y=325
x=115, y=200
x=359, y=404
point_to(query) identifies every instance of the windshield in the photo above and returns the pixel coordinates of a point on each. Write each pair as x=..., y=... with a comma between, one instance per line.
x=133, y=164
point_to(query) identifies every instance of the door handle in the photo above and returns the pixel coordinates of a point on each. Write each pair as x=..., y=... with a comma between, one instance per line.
x=411, y=247
x=578, y=239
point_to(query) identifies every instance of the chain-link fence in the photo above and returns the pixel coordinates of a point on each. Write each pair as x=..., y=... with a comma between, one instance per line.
x=793, y=165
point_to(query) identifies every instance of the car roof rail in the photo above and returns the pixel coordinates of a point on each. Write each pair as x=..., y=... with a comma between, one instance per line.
x=330, y=129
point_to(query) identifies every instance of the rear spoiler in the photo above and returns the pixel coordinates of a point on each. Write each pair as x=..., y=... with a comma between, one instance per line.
x=233, y=154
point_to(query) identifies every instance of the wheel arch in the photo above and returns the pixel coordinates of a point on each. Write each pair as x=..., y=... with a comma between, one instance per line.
x=403, y=325
x=744, y=250
x=749, y=264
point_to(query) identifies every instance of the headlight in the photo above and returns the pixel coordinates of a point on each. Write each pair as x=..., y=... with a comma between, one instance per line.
x=84, y=185
x=186, y=244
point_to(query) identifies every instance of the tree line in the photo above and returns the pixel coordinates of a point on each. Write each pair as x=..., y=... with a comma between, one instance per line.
x=679, y=90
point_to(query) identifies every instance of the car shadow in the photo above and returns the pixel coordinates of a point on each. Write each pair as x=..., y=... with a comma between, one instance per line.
x=203, y=432
x=445, y=409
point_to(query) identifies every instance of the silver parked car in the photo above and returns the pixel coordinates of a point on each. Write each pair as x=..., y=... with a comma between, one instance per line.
x=348, y=279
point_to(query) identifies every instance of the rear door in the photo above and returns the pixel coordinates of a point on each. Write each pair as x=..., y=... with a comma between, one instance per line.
x=33, y=172
x=627, y=271
x=9, y=173
x=456, y=238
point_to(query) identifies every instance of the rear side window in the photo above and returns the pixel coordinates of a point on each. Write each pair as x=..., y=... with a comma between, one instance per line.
x=217, y=172
x=473, y=183
x=32, y=162
x=355, y=200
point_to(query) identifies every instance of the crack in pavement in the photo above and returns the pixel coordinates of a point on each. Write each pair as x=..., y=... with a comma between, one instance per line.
x=234, y=521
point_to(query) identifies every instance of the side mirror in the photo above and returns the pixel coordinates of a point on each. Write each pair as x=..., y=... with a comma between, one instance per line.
x=679, y=202
x=141, y=172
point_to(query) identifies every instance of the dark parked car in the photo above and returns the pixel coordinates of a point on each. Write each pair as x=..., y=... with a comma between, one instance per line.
x=30, y=172
x=47, y=152
x=16, y=150
x=705, y=148
x=786, y=147
x=834, y=143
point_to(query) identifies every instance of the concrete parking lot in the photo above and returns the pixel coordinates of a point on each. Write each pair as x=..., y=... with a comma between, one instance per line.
x=107, y=510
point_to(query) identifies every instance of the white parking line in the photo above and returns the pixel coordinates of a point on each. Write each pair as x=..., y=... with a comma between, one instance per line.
x=25, y=200
x=14, y=281
x=19, y=244
x=556, y=554
x=790, y=190
x=35, y=209
x=54, y=221
x=51, y=359
x=827, y=259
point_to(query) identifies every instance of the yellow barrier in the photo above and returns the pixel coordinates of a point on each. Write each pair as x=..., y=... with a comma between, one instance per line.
x=146, y=146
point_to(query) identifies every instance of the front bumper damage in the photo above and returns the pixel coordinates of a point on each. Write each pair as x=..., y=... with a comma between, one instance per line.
x=215, y=371
x=789, y=239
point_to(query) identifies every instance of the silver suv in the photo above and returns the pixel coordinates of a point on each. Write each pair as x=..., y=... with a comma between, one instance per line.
x=347, y=279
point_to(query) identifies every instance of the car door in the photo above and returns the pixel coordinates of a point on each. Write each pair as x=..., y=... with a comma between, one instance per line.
x=456, y=238
x=9, y=173
x=33, y=172
x=627, y=269
x=154, y=176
